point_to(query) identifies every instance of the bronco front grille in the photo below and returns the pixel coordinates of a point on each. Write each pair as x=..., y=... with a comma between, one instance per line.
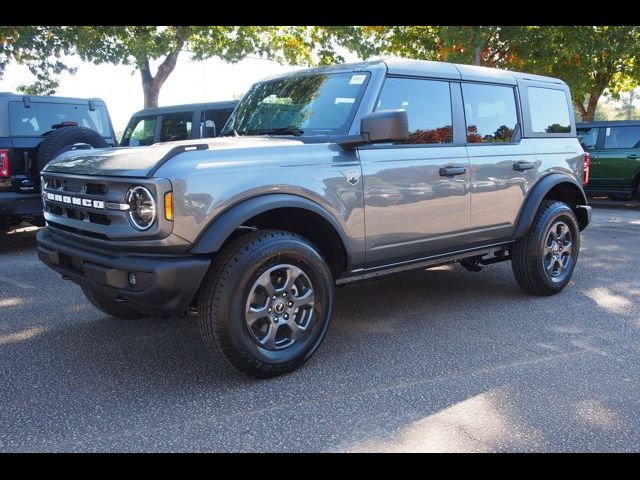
x=79, y=200
x=95, y=206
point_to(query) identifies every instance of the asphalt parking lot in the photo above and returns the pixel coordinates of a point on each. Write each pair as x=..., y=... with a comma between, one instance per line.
x=438, y=360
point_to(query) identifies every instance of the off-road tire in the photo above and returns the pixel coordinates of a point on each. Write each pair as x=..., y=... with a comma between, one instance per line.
x=57, y=141
x=109, y=306
x=227, y=287
x=527, y=260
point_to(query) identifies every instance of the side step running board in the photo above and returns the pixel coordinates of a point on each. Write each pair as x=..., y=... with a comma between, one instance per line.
x=499, y=254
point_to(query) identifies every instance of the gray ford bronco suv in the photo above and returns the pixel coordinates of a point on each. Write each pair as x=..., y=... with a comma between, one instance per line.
x=323, y=177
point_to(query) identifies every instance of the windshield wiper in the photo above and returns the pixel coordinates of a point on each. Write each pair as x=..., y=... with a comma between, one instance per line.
x=277, y=131
x=234, y=133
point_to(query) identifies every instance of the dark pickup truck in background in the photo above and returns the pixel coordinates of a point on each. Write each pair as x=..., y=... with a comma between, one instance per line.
x=33, y=130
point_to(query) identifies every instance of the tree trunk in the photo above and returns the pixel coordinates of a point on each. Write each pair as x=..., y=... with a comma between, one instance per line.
x=151, y=85
x=587, y=114
x=150, y=96
x=477, y=45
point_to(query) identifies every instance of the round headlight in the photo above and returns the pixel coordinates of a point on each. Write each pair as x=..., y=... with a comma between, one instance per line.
x=142, y=207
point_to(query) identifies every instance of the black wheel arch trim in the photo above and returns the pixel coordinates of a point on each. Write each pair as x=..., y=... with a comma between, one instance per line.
x=537, y=194
x=222, y=226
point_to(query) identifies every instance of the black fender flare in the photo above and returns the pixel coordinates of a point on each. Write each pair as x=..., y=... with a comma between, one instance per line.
x=536, y=195
x=215, y=234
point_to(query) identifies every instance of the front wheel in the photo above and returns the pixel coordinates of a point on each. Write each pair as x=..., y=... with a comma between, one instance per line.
x=544, y=259
x=266, y=303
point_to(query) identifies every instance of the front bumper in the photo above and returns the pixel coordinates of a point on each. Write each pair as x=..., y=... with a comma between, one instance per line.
x=164, y=284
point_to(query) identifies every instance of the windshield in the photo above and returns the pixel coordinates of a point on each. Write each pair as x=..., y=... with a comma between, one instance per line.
x=309, y=105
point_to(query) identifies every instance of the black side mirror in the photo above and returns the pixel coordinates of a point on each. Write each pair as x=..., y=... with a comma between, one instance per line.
x=380, y=126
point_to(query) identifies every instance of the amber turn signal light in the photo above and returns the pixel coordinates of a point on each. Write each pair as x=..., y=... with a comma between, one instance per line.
x=168, y=206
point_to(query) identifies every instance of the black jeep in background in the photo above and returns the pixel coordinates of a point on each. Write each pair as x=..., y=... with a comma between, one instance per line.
x=35, y=129
x=177, y=122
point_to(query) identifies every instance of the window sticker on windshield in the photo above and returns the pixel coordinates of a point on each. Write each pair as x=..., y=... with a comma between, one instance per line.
x=608, y=131
x=357, y=79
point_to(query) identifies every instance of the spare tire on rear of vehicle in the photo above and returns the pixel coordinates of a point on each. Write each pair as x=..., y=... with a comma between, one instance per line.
x=63, y=139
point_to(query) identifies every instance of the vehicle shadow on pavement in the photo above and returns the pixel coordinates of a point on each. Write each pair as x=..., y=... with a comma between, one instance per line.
x=18, y=240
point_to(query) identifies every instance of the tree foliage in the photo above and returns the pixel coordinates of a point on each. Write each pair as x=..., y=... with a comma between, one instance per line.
x=141, y=46
x=627, y=109
x=589, y=59
x=40, y=49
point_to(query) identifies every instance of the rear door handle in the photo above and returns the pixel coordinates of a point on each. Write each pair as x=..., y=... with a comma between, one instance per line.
x=633, y=155
x=522, y=166
x=450, y=171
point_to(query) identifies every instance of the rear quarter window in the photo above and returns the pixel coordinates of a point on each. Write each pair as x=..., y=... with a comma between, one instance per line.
x=549, y=110
x=42, y=117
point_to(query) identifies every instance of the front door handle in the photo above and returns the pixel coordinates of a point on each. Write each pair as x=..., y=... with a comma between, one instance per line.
x=522, y=166
x=450, y=171
x=633, y=155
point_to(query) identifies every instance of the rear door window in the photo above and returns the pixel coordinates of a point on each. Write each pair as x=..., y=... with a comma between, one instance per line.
x=588, y=137
x=43, y=117
x=490, y=111
x=549, y=110
x=176, y=126
x=140, y=132
x=622, y=137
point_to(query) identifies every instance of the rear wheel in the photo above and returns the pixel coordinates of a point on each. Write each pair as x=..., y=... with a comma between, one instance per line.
x=266, y=303
x=112, y=307
x=544, y=259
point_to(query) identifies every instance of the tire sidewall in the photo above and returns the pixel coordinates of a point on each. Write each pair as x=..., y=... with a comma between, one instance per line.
x=562, y=213
x=283, y=251
x=62, y=139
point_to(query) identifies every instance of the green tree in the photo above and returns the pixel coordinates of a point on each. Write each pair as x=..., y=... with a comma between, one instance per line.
x=311, y=45
x=141, y=46
x=589, y=58
x=626, y=110
x=40, y=49
x=480, y=45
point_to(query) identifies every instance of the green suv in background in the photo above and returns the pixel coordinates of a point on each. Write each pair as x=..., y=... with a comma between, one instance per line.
x=615, y=157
